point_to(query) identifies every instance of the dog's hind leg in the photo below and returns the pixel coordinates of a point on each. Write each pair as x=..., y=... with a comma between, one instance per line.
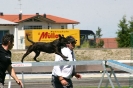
x=25, y=56
x=37, y=54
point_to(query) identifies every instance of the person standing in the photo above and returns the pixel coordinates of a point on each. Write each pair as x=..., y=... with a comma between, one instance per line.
x=5, y=60
x=61, y=75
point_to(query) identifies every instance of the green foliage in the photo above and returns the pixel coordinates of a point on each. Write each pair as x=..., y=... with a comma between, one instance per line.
x=85, y=44
x=98, y=33
x=124, y=32
x=100, y=42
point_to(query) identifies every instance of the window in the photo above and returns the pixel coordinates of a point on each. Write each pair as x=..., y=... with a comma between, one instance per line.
x=3, y=32
x=21, y=39
x=62, y=27
x=91, y=36
x=49, y=27
x=33, y=27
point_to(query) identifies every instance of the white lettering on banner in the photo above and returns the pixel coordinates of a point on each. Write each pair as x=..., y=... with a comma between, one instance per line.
x=21, y=65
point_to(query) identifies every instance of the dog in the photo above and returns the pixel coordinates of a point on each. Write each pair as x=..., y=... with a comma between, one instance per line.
x=50, y=47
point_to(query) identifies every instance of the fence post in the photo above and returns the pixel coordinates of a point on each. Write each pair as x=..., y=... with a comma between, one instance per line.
x=23, y=79
x=9, y=83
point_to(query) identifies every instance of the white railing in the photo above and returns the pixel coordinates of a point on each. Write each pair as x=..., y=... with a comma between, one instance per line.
x=105, y=64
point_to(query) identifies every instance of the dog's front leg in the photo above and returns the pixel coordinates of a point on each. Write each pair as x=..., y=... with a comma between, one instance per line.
x=59, y=53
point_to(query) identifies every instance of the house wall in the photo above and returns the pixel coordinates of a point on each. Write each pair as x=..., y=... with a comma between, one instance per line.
x=108, y=42
x=58, y=26
x=21, y=39
x=44, y=25
x=12, y=30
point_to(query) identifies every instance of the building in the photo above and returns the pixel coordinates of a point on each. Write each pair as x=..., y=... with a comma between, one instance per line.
x=109, y=42
x=17, y=23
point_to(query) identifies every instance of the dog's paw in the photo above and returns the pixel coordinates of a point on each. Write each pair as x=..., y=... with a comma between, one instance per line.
x=37, y=61
x=22, y=61
x=66, y=60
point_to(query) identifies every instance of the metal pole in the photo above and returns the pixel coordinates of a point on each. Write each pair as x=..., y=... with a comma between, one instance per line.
x=108, y=81
x=102, y=75
x=9, y=83
x=23, y=79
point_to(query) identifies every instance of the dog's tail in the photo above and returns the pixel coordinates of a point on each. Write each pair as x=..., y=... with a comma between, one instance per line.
x=29, y=39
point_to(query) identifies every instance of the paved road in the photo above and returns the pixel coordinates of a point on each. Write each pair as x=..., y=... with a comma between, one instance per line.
x=86, y=81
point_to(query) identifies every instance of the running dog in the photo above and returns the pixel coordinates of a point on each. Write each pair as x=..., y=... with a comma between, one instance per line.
x=51, y=47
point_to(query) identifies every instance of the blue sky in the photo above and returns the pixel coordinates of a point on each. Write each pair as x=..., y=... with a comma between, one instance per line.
x=91, y=14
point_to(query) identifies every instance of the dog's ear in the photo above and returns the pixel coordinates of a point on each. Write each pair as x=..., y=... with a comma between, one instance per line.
x=60, y=36
x=26, y=34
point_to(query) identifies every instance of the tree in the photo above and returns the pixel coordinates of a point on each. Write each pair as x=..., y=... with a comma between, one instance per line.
x=123, y=33
x=98, y=33
x=131, y=31
x=131, y=25
x=100, y=42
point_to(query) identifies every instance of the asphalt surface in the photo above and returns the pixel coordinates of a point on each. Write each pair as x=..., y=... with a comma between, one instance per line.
x=88, y=80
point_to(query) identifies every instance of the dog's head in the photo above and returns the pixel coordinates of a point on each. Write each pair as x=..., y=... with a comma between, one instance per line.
x=63, y=41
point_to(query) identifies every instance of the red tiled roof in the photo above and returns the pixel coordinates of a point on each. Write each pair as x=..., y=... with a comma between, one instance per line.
x=109, y=42
x=61, y=20
x=15, y=18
